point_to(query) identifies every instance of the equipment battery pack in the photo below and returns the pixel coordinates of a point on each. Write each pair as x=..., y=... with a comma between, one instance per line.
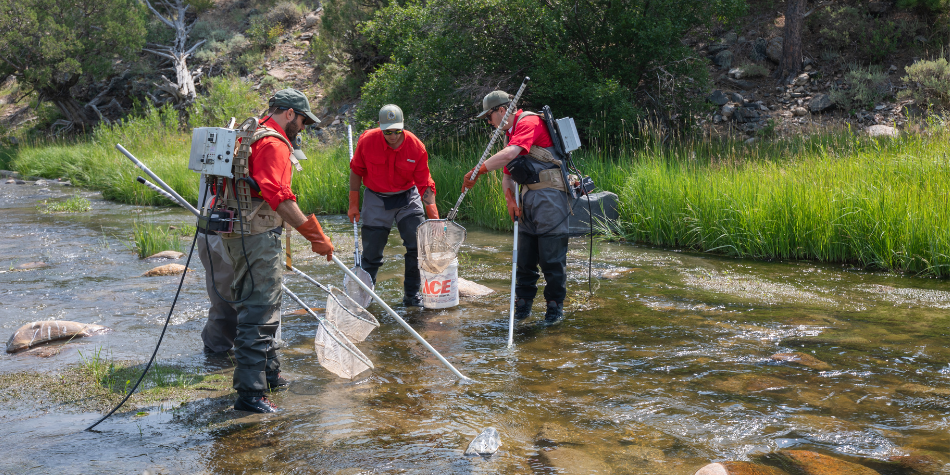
x=219, y=221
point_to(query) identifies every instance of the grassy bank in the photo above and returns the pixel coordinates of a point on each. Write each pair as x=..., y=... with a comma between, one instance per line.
x=840, y=197
x=880, y=204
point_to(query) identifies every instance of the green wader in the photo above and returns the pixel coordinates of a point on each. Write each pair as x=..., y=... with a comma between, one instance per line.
x=258, y=316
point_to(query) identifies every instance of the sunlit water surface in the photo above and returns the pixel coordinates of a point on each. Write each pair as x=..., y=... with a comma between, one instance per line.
x=665, y=368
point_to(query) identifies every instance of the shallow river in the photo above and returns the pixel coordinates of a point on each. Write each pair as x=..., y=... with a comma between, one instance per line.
x=665, y=368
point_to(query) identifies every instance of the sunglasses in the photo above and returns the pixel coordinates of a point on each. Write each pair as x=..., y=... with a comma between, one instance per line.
x=490, y=112
x=392, y=132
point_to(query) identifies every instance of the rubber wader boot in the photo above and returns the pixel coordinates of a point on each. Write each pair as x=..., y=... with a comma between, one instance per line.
x=275, y=382
x=258, y=404
x=554, y=313
x=522, y=309
x=412, y=300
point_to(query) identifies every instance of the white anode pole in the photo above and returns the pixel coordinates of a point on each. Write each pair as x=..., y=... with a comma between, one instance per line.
x=514, y=270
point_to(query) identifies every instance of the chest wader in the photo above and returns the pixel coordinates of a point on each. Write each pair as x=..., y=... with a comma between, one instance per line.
x=542, y=242
x=257, y=260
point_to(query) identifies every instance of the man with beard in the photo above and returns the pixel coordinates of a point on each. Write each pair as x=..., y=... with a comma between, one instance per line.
x=256, y=257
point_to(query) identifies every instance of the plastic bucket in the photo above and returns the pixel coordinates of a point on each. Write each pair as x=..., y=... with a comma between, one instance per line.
x=441, y=290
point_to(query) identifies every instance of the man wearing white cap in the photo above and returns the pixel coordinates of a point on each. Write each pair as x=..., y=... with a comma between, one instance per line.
x=394, y=166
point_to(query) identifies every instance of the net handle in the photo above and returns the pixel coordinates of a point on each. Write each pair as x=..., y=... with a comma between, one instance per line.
x=400, y=320
x=512, y=106
x=514, y=271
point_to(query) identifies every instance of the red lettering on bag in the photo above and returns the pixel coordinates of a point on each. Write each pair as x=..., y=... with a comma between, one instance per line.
x=446, y=286
x=434, y=289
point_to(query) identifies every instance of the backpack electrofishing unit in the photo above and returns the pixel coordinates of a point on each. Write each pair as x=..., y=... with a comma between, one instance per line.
x=221, y=155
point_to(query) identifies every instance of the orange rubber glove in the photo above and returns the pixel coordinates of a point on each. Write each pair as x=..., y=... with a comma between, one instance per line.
x=469, y=183
x=354, y=212
x=431, y=211
x=513, y=210
x=319, y=242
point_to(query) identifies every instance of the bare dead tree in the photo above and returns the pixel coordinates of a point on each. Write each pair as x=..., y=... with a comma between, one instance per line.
x=182, y=92
x=791, y=63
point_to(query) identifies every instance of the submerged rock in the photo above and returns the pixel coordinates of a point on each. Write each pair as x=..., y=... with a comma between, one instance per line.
x=167, y=269
x=802, y=359
x=486, y=443
x=468, y=288
x=739, y=468
x=806, y=462
x=167, y=255
x=567, y=460
x=37, y=333
x=31, y=266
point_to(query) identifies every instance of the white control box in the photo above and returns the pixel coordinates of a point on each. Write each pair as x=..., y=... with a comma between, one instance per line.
x=212, y=151
x=572, y=141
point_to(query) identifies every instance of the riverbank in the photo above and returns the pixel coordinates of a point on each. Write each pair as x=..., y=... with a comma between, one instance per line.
x=840, y=197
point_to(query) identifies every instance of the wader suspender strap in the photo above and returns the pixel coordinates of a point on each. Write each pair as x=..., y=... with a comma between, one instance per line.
x=255, y=218
x=550, y=178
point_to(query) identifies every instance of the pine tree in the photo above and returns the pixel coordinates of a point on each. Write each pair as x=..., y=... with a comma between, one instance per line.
x=51, y=45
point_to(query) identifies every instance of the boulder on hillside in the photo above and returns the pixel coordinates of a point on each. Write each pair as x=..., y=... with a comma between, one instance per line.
x=881, y=131
x=759, y=49
x=723, y=59
x=774, y=49
x=820, y=103
x=718, y=97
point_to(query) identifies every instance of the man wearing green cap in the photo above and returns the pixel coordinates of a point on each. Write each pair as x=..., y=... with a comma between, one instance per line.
x=256, y=257
x=394, y=166
x=530, y=162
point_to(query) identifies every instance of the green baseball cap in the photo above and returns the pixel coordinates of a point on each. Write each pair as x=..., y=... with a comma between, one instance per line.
x=390, y=117
x=296, y=100
x=493, y=100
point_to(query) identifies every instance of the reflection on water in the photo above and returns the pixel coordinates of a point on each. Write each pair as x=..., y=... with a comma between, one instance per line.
x=667, y=367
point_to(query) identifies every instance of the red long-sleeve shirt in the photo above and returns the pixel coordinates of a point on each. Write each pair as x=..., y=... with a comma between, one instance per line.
x=270, y=166
x=388, y=170
x=528, y=131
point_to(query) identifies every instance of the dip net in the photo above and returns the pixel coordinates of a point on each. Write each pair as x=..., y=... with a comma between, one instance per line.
x=439, y=241
x=337, y=354
x=350, y=317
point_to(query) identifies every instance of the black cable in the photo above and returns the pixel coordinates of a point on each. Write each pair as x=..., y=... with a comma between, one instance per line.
x=159, y=344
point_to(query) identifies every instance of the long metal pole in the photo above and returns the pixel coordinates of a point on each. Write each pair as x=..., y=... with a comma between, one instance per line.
x=512, y=106
x=514, y=269
x=399, y=319
x=158, y=180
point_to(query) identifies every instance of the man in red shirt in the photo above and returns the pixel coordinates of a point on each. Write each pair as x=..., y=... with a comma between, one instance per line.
x=394, y=166
x=531, y=163
x=257, y=257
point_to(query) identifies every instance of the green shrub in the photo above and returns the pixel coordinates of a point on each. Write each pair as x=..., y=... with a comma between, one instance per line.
x=263, y=33
x=200, y=6
x=929, y=83
x=867, y=87
x=846, y=28
x=446, y=54
x=928, y=5
x=223, y=98
x=285, y=13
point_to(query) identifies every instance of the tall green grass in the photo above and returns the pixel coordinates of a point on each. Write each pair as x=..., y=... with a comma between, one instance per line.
x=828, y=196
x=880, y=204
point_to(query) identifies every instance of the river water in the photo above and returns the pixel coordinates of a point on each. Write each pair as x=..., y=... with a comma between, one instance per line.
x=665, y=368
